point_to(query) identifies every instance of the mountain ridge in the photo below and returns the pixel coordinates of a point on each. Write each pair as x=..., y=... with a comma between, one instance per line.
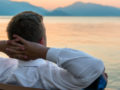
x=90, y=9
x=12, y=7
x=8, y=8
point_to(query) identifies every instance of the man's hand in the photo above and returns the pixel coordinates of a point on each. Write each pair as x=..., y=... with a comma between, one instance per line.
x=105, y=75
x=4, y=44
x=26, y=50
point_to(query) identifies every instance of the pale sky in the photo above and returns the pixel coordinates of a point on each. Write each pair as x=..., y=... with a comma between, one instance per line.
x=52, y=4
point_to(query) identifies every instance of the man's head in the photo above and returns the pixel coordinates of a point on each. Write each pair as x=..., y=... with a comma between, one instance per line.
x=29, y=25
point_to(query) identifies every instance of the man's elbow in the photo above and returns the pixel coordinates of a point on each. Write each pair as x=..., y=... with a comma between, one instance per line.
x=99, y=67
x=96, y=71
x=92, y=73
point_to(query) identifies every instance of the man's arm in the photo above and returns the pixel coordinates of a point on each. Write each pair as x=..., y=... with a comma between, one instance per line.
x=80, y=65
x=3, y=45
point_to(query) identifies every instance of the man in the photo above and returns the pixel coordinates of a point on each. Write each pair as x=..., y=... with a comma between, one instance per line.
x=64, y=69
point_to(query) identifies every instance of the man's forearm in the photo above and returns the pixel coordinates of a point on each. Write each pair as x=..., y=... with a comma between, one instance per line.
x=2, y=46
x=43, y=52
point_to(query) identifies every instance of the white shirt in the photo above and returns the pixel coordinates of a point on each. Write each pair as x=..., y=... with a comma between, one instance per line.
x=73, y=70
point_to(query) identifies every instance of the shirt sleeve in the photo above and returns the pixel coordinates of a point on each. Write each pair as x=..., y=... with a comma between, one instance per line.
x=85, y=68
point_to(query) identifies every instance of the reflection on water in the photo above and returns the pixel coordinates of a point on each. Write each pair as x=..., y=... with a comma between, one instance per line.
x=98, y=36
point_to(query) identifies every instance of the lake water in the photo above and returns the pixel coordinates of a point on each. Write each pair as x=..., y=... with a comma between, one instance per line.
x=98, y=36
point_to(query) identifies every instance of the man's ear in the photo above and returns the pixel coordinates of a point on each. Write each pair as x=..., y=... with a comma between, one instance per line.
x=42, y=41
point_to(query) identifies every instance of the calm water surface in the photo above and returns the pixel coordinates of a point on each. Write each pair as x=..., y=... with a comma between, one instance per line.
x=98, y=36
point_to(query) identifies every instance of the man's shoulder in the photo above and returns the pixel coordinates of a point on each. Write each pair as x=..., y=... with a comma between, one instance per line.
x=7, y=66
x=8, y=62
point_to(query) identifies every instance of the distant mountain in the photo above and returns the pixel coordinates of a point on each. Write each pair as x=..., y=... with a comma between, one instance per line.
x=57, y=13
x=8, y=7
x=89, y=9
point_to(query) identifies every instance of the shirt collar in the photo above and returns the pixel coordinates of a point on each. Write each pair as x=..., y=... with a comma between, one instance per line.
x=36, y=62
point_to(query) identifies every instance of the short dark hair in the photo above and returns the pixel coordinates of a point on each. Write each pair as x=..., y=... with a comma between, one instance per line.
x=28, y=25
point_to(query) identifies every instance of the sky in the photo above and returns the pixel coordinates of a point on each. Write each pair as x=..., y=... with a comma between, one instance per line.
x=52, y=4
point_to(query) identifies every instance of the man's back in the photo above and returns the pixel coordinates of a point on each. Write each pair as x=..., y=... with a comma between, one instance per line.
x=37, y=74
x=69, y=73
x=41, y=74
